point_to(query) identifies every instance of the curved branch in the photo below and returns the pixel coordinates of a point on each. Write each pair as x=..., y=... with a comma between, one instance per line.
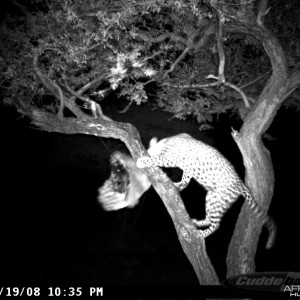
x=207, y=85
x=52, y=87
x=246, y=102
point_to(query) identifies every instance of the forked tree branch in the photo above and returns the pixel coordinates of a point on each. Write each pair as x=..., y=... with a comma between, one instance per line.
x=95, y=108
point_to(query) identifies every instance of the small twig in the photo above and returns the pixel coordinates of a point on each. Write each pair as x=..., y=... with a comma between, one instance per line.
x=191, y=86
x=262, y=12
x=242, y=74
x=152, y=56
x=242, y=78
x=181, y=56
x=246, y=102
x=147, y=82
x=90, y=48
x=126, y=108
x=290, y=92
x=95, y=108
x=255, y=80
x=87, y=86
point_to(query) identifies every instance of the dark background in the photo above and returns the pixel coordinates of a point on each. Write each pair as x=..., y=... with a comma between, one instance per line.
x=54, y=231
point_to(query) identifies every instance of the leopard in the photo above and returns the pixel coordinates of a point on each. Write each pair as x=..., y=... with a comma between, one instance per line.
x=210, y=169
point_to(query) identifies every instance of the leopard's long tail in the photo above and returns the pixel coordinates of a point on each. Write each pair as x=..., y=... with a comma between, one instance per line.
x=261, y=214
x=272, y=228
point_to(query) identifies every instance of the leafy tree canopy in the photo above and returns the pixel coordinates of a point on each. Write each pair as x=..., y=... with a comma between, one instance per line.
x=166, y=52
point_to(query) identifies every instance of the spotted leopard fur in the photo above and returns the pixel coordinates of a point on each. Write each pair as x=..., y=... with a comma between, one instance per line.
x=210, y=169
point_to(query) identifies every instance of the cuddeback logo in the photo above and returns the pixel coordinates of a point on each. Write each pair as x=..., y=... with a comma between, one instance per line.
x=266, y=282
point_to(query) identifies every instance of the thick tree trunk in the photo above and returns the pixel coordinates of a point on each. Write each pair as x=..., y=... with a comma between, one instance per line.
x=257, y=160
x=260, y=180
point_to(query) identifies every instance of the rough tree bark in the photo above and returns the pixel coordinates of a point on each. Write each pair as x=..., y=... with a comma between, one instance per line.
x=259, y=169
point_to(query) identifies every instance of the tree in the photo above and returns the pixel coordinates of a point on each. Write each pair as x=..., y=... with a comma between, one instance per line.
x=176, y=54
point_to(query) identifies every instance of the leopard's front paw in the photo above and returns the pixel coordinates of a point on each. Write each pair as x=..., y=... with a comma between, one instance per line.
x=178, y=186
x=142, y=162
x=181, y=185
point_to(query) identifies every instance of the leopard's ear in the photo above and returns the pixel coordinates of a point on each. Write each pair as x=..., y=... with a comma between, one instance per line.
x=153, y=142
